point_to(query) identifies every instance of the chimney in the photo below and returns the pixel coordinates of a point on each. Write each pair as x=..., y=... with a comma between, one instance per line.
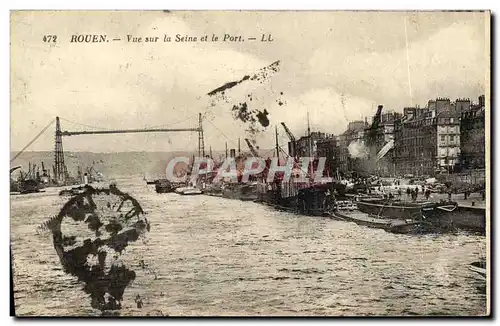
x=232, y=152
x=481, y=101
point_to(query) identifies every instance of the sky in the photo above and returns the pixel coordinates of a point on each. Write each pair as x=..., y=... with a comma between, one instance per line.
x=334, y=66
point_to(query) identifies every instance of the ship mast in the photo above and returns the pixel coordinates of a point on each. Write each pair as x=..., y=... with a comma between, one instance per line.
x=277, y=144
x=308, y=136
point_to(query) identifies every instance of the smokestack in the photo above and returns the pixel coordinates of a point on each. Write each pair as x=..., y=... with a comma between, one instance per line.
x=481, y=100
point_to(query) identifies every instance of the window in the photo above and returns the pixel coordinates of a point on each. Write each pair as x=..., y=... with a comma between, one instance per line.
x=451, y=120
x=442, y=138
x=452, y=138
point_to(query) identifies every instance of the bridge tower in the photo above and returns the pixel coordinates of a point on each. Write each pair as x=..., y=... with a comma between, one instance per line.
x=201, y=142
x=60, y=170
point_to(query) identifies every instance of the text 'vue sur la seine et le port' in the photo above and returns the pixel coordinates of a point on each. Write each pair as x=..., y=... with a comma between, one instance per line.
x=178, y=38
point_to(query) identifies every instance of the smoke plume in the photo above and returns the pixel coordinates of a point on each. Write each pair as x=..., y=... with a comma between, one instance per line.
x=358, y=150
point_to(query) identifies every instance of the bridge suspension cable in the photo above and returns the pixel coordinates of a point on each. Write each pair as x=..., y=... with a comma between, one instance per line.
x=33, y=140
x=83, y=125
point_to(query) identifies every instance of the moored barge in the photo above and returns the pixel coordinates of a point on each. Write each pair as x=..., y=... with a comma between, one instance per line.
x=390, y=225
x=443, y=216
x=403, y=209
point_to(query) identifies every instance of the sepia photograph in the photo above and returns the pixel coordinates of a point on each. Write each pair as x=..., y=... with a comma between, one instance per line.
x=250, y=163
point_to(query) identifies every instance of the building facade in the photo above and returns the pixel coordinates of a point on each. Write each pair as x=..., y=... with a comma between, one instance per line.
x=427, y=140
x=442, y=137
x=415, y=142
x=307, y=146
x=329, y=149
x=343, y=153
x=472, y=137
x=448, y=146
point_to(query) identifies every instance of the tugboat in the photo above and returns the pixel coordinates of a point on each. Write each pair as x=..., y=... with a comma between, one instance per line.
x=26, y=183
x=73, y=191
x=29, y=186
x=163, y=186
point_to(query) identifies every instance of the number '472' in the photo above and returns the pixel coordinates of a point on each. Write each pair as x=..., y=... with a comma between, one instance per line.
x=50, y=38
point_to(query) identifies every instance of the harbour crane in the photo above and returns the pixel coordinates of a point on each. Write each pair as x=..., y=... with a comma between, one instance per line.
x=387, y=147
x=292, y=145
x=252, y=148
x=374, y=126
x=15, y=168
x=373, y=135
x=377, y=118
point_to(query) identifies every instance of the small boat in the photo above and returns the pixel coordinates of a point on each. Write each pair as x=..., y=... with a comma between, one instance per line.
x=163, y=186
x=479, y=267
x=408, y=226
x=345, y=205
x=188, y=191
x=73, y=191
x=29, y=186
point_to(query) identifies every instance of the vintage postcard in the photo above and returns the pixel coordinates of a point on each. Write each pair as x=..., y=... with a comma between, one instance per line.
x=250, y=163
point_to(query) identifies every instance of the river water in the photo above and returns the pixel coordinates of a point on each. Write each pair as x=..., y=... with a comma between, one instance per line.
x=214, y=256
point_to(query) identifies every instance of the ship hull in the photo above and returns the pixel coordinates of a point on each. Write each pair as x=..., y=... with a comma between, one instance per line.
x=444, y=217
x=305, y=200
x=472, y=219
x=389, y=211
x=390, y=225
x=188, y=191
x=244, y=192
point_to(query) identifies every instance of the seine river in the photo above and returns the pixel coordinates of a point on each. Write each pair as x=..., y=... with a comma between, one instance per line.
x=214, y=256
